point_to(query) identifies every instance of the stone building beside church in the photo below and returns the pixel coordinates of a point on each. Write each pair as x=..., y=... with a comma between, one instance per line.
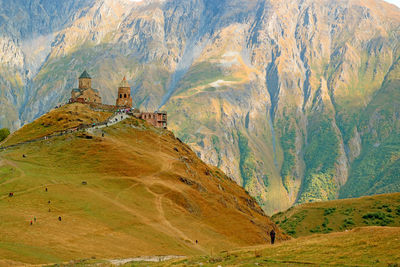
x=85, y=93
x=157, y=119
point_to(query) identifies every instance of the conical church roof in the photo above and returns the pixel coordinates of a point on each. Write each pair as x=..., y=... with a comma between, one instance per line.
x=85, y=75
x=124, y=83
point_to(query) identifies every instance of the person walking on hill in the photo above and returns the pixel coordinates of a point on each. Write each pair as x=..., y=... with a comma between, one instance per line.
x=272, y=235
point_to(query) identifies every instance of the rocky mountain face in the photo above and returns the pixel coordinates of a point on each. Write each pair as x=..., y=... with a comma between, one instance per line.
x=296, y=100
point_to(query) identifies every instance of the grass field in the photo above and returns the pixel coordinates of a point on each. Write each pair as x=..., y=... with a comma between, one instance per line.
x=367, y=246
x=58, y=120
x=340, y=215
x=137, y=191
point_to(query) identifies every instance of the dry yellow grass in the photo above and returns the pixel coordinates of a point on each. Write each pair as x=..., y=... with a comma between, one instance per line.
x=67, y=117
x=368, y=246
x=146, y=194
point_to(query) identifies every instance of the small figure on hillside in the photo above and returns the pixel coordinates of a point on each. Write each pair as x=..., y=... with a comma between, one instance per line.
x=23, y=155
x=102, y=134
x=59, y=218
x=272, y=235
x=11, y=194
x=197, y=241
x=45, y=189
x=48, y=202
x=31, y=222
x=34, y=219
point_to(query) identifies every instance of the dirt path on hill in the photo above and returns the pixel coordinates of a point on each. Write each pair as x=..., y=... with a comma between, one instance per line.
x=145, y=220
x=12, y=164
x=167, y=166
x=118, y=262
x=23, y=192
x=127, y=189
x=166, y=222
x=148, y=181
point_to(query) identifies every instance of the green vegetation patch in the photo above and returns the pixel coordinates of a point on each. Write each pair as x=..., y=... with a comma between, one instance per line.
x=329, y=211
x=289, y=225
x=4, y=133
x=247, y=163
x=377, y=218
x=340, y=215
x=216, y=145
x=287, y=140
x=348, y=223
x=377, y=169
x=320, y=157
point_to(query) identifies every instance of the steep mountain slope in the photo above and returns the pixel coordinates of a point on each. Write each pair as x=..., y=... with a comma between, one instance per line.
x=278, y=94
x=136, y=191
x=340, y=215
x=27, y=31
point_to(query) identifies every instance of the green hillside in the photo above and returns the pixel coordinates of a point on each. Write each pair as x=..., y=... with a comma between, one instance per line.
x=136, y=191
x=377, y=170
x=340, y=215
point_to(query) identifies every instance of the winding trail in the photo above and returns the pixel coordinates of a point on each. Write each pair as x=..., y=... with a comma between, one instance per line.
x=159, y=223
x=5, y=162
x=148, y=181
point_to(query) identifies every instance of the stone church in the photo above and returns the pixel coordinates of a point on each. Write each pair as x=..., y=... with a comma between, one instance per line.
x=85, y=93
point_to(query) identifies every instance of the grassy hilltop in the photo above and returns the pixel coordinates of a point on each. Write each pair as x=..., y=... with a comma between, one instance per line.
x=136, y=191
x=340, y=215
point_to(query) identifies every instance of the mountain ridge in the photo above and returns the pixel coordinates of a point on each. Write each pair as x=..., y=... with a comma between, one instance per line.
x=255, y=87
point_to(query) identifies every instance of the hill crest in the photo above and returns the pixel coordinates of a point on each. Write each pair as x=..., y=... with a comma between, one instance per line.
x=136, y=189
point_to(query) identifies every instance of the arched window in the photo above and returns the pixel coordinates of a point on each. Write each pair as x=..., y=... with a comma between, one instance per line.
x=124, y=95
x=120, y=96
